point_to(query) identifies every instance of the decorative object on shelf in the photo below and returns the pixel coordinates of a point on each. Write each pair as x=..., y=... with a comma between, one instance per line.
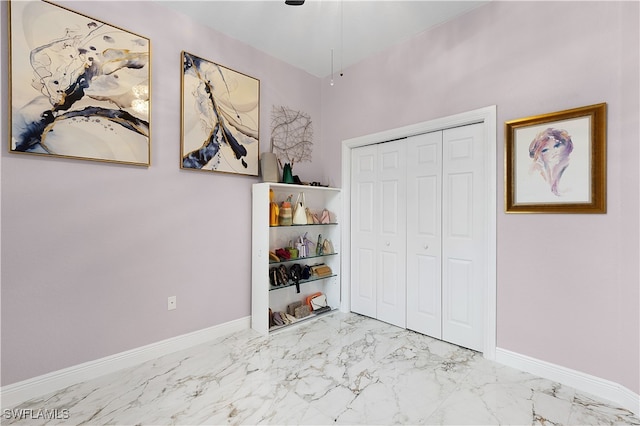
x=269, y=167
x=220, y=118
x=79, y=88
x=319, y=251
x=291, y=137
x=556, y=163
x=274, y=210
x=326, y=217
x=287, y=174
x=285, y=216
x=300, y=211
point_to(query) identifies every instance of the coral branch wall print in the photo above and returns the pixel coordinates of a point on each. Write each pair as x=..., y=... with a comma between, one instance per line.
x=291, y=135
x=556, y=163
x=79, y=87
x=220, y=118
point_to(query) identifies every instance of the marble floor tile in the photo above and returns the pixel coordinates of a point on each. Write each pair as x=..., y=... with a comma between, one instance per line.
x=338, y=369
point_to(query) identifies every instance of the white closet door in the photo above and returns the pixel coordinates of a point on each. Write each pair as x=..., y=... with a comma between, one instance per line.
x=424, y=223
x=464, y=260
x=364, y=230
x=391, y=242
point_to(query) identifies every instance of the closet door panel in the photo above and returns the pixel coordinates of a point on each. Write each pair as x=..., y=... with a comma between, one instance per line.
x=463, y=233
x=364, y=209
x=424, y=211
x=391, y=241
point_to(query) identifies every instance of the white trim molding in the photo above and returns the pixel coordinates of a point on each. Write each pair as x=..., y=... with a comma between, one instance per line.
x=584, y=382
x=487, y=116
x=15, y=393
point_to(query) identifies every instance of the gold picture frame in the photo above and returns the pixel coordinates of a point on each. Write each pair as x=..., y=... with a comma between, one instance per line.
x=220, y=118
x=79, y=88
x=556, y=162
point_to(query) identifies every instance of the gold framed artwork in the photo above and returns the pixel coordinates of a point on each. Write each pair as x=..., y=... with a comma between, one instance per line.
x=556, y=162
x=220, y=123
x=79, y=88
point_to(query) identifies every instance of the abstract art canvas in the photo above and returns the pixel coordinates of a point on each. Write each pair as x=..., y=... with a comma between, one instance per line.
x=220, y=118
x=556, y=163
x=80, y=88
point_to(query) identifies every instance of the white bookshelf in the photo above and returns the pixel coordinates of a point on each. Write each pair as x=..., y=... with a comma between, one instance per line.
x=266, y=238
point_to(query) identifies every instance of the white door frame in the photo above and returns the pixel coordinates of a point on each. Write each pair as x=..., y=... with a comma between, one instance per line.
x=487, y=116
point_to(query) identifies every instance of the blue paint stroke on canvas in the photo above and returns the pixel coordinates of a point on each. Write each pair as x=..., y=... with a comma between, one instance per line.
x=89, y=82
x=550, y=151
x=218, y=118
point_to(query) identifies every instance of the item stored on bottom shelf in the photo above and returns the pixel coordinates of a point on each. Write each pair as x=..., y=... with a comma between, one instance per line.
x=291, y=307
x=302, y=311
x=307, y=300
x=277, y=319
x=319, y=303
x=271, y=324
x=321, y=270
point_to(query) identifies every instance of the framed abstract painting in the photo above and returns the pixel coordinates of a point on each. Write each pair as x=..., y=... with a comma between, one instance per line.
x=79, y=88
x=220, y=118
x=556, y=163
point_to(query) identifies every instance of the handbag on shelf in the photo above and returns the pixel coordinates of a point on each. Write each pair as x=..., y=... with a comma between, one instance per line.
x=327, y=247
x=326, y=217
x=307, y=300
x=300, y=211
x=291, y=307
x=274, y=210
x=321, y=270
x=302, y=311
x=310, y=218
x=284, y=215
x=319, y=303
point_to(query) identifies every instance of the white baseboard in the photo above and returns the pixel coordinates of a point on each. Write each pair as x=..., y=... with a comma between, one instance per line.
x=606, y=389
x=15, y=393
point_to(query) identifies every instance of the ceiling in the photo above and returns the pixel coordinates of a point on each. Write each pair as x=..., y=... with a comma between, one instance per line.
x=304, y=36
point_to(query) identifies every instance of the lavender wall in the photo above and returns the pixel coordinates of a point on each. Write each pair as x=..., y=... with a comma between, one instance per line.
x=568, y=285
x=91, y=251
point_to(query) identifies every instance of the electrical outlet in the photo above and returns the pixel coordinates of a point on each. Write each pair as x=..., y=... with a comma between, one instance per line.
x=171, y=303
